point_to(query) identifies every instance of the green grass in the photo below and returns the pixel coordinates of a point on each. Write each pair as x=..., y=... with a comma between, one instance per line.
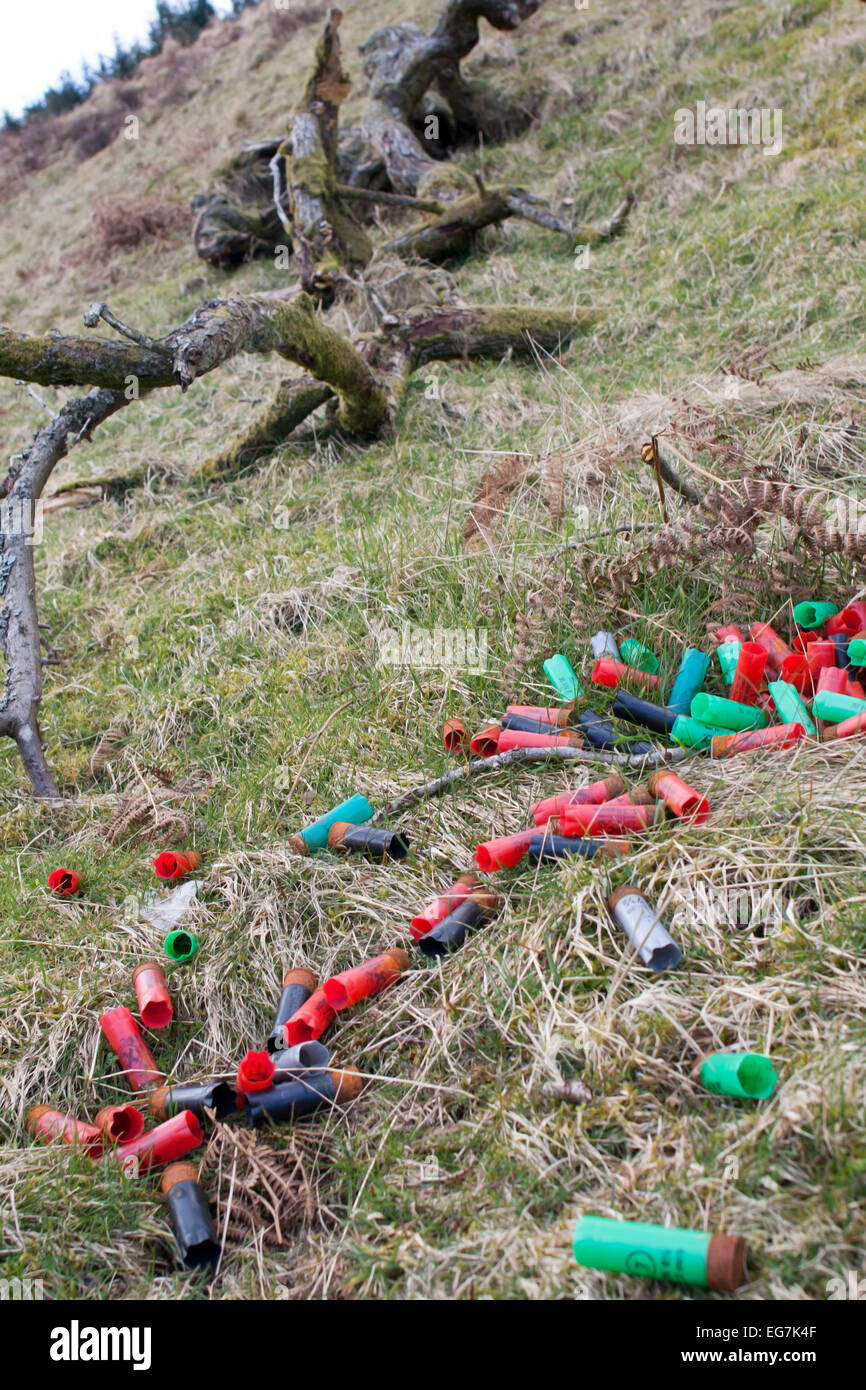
x=170, y=610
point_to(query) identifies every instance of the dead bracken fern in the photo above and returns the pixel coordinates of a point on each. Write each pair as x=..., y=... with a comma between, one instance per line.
x=105, y=750
x=263, y=1194
x=146, y=808
x=503, y=480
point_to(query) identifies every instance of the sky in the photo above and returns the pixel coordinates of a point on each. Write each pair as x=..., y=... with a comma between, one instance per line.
x=42, y=38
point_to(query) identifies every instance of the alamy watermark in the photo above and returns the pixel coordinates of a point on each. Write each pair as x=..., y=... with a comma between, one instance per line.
x=21, y=516
x=450, y=648
x=22, y=1290
x=741, y=125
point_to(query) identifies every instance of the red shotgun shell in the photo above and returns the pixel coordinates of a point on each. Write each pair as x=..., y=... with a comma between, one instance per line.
x=45, y=1123
x=63, y=882
x=443, y=906
x=119, y=1124
x=255, y=1073
x=731, y=633
x=608, y=820
x=486, y=742
x=503, y=853
x=593, y=795
x=522, y=738
x=678, y=796
x=310, y=1020
x=163, y=1144
x=749, y=673
x=612, y=673
x=777, y=736
x=347, y=988
x=171, y=864
x=454, y=735
x=777, y=650
x=151, y=991
x=848, y=622
x=132, y=1052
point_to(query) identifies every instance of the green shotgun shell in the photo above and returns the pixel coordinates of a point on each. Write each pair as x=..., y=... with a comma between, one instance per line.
x=180, y=945
x=660, y=1252
x=689, y=680
x=813, y=614
x=635, y=654
x=834, y=708
x=356, y=811
x=689, y=733
x=857, y=652
x=747, y=1075
x=728, y=714
x=728, y=653
x=558, y=670
x=789, y=705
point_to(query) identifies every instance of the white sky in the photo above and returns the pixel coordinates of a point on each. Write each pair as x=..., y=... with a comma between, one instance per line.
x=41, y=38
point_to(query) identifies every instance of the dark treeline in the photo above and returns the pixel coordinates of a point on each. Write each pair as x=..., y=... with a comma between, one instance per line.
x=181, y=21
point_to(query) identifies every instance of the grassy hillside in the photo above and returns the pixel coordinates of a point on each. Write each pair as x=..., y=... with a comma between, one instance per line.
x=226, y=625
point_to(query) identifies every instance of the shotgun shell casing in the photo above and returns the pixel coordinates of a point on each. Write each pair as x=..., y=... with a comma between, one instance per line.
x=132, y=1052
x=593, y=795
x=440, y=907
x=681, y=799
x=609, y=820
x=779, y=736
x=802, y=640
x=749, y=673
x=255, y=1073
x=159, y=1146
x=796, y=671
x=314, y=837
x=604, y=644
x=613, y=673
x=689, y=733
x=637, y=796
x=790, y=707
x=305, y=1056
x=520, y=738
x=298, y=985
x=544, y=847
x=180, y=946
x=636, y=655
x=634, y=710
x=847, y=728
x=49, y=1125
x=746, y=1075
x=310, y=1020
x=486, y=742
x=841, y=642
x=731, y=633
x=294, y=1099
x=689, y=680
x=199, y=1098
x=813, y=613
x=371, y=977
x=454, y=736
x=558, y=670
x=119, y=1124
x=64, y=882
x=450, y=933
x=602, y=733
x=189, y=1211
x=833, y=678
x=558, y=715
x=173, y=865
x=528, y=726
x=777, y=650
x=728, y=655
x=636, y=916
x=661, y=1252
x=727, y=714
x=834, y=707
x=151, y=991
x=821, y=654
x=847, y=622
x=855, y=689
x=503, y=853
x=858, y=607
x=372, y=842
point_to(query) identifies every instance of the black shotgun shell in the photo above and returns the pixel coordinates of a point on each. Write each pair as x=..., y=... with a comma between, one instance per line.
x=602, y=733
x=840, y=641
x=562, y=847
x=190, y=1216
x=637, y=711
x=291, y=1100
x=530, y=726
x=213, y=1095
x=450, y=933
x=298, y=985
x=367, y=840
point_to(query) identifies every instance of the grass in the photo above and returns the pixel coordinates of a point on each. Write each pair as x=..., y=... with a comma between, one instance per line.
x=456, y=1174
